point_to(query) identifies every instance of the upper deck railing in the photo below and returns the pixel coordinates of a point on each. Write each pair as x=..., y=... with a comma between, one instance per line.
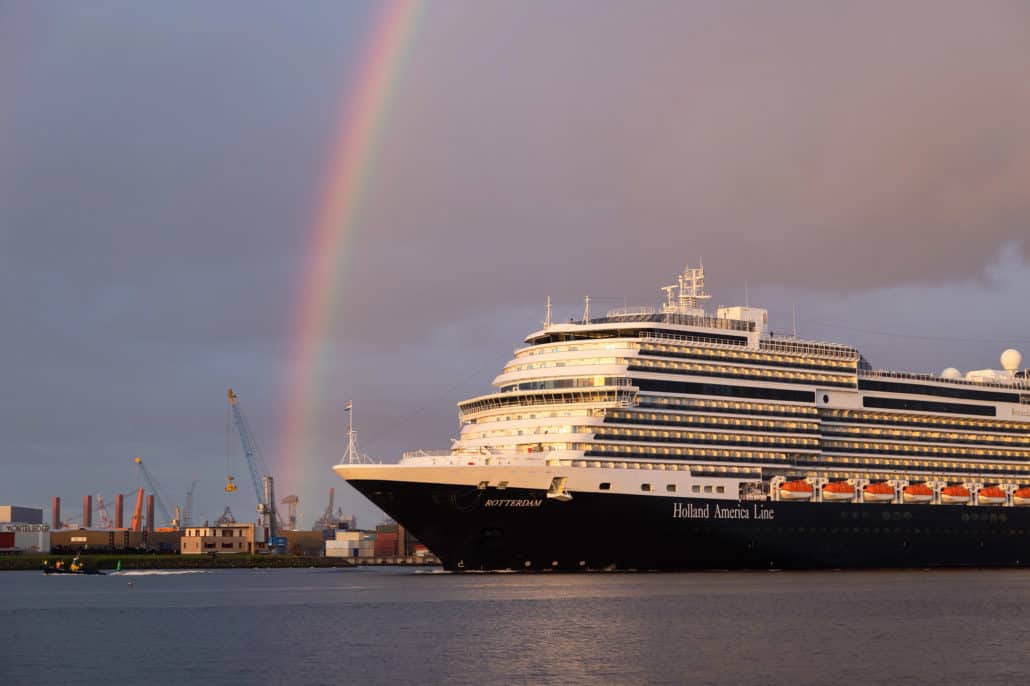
x=649, y=315
x=791, y=346
x=799, y=347
x=1016, y=383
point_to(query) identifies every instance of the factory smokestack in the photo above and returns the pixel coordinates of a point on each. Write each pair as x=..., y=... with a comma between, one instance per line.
x=87, y=511
x=55, y=515
x=150, y=512
x=119, y=511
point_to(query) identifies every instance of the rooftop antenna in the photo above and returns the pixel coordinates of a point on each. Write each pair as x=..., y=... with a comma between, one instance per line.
x=795, y=307
x=547, y=321
x=747, y=302
x=586, y=310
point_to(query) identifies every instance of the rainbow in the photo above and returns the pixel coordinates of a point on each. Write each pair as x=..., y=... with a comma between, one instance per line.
x=363, y=114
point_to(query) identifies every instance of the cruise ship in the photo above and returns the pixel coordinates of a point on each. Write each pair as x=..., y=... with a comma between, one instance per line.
x=671, y=438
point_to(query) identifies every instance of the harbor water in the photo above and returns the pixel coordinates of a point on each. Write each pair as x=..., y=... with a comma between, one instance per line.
x=401, y=626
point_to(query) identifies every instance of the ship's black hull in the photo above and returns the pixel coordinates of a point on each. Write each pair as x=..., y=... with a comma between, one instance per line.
x=520, y=529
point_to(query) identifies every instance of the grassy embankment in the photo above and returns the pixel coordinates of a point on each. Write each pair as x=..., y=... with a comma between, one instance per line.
x=137, y=561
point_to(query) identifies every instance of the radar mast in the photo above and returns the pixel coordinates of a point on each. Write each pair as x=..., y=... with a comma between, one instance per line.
x=689, y=290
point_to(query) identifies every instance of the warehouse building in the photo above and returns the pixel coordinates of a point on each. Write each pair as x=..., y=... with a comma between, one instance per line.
x=22, y=530
x=114, y=540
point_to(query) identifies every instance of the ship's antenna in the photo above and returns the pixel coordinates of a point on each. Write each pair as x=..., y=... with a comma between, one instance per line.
x=795, y=320
x=670, y=305
x=352, y=456
x=547, y=322
x=586, y=310
x=747, y=302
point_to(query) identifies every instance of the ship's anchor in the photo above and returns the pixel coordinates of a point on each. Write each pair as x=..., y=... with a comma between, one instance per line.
x=558, y=491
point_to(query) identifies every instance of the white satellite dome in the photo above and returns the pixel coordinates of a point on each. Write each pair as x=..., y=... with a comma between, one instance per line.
x=1011, y=359
x=951, y=373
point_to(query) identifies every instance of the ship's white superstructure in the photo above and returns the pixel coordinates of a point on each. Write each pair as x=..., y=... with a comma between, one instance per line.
x=673, y=401
x=674, y=388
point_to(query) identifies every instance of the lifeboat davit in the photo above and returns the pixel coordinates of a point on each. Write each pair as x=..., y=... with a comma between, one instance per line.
x=918, y=493
x=955, y=495
x=796, y=490
x=1021, y=497
x=878, y=493
x=838, y=490
x=991, y=495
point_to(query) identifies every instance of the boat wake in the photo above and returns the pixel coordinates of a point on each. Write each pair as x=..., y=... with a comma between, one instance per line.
x=157, y=572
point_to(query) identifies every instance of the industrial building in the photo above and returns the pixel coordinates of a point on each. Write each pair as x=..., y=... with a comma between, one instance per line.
x=221, y=540
x=114, y=540
x=307, y=543
x=22, y=530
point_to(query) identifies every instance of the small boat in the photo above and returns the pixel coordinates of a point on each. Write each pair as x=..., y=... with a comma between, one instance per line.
x=955, y=495
x=1021, y=497
x=796, y=490
x=918, y=493
x=878, y=493
x=991, y=495
x=75, y=567
x=838, y=490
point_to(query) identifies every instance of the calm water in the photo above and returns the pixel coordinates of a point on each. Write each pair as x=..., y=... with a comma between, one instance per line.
x=391, y=625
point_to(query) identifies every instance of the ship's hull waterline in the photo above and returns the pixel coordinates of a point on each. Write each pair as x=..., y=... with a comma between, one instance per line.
x=473, y=529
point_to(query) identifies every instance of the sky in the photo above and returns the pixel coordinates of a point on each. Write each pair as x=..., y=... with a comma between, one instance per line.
x=162, y=166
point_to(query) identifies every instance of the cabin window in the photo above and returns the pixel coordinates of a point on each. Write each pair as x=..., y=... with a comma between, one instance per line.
x=708, y=489
x=606, y=486
x=695, y=489
x=720, y=489
x=671, y=488
x=645, y=487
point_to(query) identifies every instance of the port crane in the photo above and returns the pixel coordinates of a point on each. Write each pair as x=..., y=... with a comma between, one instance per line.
x=259, y=473
x=137, y=512
x=326, y=520
x=105, y=517
x=187, y=516
x=226, y=518
x=148, y=477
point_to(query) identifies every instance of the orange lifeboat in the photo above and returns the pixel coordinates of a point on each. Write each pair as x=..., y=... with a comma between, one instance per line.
x=918, y=493
x=796, y=490
x=838, y=490
x=955, y=495
x=878, y=493
x=1021, y=497
x=991, y=495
